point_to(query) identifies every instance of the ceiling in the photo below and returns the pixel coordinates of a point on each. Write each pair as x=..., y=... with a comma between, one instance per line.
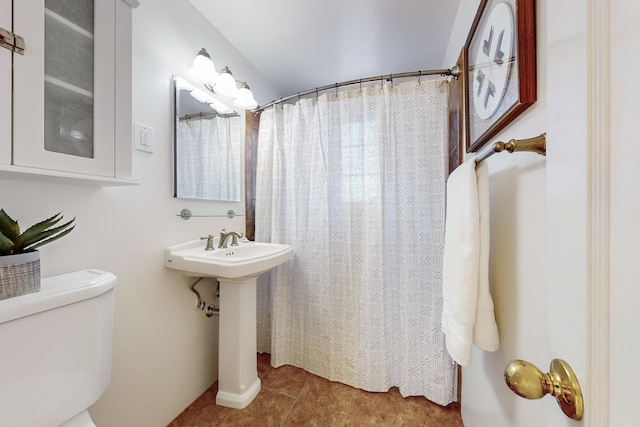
x=302, y=44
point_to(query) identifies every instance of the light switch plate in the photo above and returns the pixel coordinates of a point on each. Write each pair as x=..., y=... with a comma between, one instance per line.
x=143, y=137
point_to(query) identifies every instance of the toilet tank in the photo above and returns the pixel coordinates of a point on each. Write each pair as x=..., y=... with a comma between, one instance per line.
x=55, y=349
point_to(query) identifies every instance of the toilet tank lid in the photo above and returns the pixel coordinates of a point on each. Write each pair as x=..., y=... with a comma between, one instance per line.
x=58, y=291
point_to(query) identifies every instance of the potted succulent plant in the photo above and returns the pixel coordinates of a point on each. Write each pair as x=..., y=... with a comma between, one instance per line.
x=19, y=259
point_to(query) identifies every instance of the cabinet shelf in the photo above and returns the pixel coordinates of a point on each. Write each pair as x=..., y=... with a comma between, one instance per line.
x=68, y=24
x=68, y=86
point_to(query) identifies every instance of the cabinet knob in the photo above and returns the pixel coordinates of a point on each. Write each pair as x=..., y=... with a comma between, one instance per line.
x=526, y=380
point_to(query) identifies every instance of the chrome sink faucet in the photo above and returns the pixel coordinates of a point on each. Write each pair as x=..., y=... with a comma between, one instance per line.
x=224, y=238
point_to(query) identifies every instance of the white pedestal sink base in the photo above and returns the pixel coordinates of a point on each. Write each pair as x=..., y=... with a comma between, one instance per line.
x=238, y=401
x=238, y=382
x=237, y=268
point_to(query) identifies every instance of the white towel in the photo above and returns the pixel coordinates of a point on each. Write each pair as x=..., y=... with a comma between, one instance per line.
x=467, y=316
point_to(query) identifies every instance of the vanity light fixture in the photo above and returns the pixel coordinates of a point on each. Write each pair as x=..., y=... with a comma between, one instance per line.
x=223, y=83
x=203, y=97
x=226, y=84
x=220, y=106
x=203, y=68
x=245, y=98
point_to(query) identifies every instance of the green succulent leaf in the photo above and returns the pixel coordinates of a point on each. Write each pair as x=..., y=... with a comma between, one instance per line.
x=8, y=226
x=41, y=231
x=44, y=242
x=6, y=245
x=28, y=236
x=47, y=231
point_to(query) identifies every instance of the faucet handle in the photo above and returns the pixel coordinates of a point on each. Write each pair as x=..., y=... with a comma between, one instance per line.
x=234, y=238
x=209, y=240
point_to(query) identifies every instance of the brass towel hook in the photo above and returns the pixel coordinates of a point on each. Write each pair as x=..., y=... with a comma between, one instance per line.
x=527, y=381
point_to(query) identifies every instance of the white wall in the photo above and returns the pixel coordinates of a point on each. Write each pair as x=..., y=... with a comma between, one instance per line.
x=518, y=256
x=165, y=350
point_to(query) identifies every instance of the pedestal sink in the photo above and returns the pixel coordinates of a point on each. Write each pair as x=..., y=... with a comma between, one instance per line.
x=236, y=268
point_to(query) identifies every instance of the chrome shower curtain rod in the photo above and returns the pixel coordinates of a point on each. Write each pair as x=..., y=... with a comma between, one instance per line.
x=453, y=72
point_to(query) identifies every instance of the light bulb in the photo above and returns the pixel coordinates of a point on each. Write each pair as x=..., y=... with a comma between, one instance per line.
x=226, y=84
x=203, y=68
x=245, y=98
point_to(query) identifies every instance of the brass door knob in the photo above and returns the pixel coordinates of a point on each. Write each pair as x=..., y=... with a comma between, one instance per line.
x=527, y=381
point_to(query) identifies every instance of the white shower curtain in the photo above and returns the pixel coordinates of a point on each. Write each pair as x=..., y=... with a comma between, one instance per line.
x=355, y=182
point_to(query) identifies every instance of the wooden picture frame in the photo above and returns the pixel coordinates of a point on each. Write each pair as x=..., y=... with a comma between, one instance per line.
x=500, y=70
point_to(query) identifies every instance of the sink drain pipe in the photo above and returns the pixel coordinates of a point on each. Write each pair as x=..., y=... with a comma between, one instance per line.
x=201, y=304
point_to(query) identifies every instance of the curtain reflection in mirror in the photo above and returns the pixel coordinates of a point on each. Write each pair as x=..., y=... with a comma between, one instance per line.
x=209, y=142
x=208, y=157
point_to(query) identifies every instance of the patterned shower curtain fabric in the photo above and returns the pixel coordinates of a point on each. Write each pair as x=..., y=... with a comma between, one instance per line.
x=355, y=182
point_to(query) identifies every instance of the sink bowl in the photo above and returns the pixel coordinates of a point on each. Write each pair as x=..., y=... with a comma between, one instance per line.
x=248, y=259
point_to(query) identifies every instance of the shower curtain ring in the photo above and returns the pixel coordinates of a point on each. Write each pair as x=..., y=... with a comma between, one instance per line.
x=419, y=75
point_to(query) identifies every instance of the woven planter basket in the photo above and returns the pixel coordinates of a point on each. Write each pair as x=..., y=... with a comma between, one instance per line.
x=19, y=274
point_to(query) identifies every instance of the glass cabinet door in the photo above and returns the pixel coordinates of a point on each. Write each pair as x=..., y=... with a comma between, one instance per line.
x=64, y=86
x=68, y=77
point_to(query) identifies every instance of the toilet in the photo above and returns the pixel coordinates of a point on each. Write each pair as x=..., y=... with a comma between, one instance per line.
x=55, y=350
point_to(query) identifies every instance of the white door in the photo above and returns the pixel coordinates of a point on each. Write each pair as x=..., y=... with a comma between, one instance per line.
x=624, y=217
x=593, y=199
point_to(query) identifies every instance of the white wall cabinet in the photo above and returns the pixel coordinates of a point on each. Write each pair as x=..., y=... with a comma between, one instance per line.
x=71, y=98
x=5, y=86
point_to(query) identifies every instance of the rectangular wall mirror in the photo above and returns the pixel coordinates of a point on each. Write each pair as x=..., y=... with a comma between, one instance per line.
x=208, y=142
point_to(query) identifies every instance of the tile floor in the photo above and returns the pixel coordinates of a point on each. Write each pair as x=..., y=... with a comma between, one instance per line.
x=291, y=396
